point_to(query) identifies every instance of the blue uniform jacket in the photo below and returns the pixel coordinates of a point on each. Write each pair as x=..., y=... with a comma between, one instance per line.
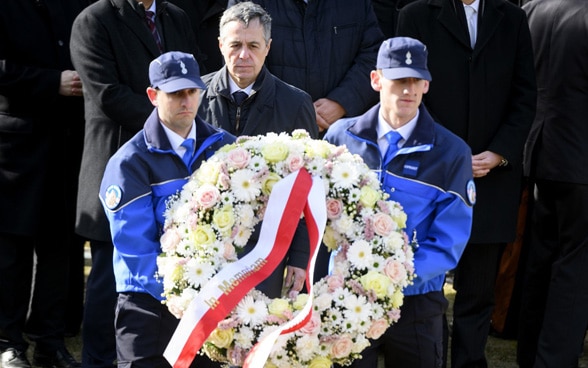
x=431, y=177
x=138, y=180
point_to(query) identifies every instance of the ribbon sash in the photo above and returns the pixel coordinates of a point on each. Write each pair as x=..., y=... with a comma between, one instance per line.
x=315, y=214
x=223, y=292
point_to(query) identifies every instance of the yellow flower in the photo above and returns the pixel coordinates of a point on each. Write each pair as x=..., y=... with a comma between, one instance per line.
x=221, y=338
x=300, y=301
x=376, y=282
x=224, y=219
x=275, y=152
x=278, y=307
x=320, y=362
x=268, y=182
x=397, y=298
x=208, y=173
x=368, y=196
x=203, y=235
x=319, y=148
x=329, y=238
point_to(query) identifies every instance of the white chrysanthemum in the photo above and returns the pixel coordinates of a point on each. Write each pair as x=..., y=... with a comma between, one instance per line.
x=245, y=338
x=357, y=308
x=245, y=187
x=257, y=163
x=252, y=312
x=354, y=194
x=344, y=175
x=305, y=346
x=246, y=215
x=360, y=254
x=198, y=273
x=323, y=301
x=394, y=242
x=378, y=262
x=242, y=236
x=316, y=167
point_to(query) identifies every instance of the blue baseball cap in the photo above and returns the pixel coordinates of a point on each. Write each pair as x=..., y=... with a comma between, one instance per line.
x=403, y=57
x=174, y=71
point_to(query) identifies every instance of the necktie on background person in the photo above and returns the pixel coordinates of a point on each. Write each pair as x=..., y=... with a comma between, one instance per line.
x=239, y=97
x=150, y=19
x=472, y=18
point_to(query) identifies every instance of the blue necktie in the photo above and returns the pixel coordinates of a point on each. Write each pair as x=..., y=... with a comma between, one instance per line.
x=189, y=144
x=239, y=97
x=393, y=139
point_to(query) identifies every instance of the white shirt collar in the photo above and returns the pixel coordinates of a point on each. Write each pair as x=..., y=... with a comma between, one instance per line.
x=475, y=5
x=405, y=131
x=234, y=87
x=176, y=140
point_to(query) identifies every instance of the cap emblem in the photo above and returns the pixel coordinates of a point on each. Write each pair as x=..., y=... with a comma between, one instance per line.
x=183, y=66
x=408, y=60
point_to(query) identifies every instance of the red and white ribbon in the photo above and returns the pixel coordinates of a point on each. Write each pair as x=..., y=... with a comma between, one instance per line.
x=315, y=214
x=224, y=291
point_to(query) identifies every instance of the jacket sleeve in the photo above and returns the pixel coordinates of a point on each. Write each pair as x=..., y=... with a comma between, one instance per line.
x=133, y=225
x=355, y=92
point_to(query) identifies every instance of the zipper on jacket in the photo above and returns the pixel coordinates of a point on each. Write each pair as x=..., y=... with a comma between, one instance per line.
x=237, y=119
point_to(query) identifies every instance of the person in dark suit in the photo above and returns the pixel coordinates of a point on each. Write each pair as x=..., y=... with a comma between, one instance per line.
x=484, y=92
x=112, y=46
x=268, y=105
x=554, y=299
x=326, y=48
x=41, y=134
x=205, y=15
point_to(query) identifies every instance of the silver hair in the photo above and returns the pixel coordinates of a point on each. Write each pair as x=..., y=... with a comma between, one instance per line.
x=245, y=12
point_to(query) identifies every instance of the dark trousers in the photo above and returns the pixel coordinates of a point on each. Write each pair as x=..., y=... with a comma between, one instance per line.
x=144, y=327
x=20, y=258
x=474, y=280
x=555, y=291
x=416, y=340
x=99, y=347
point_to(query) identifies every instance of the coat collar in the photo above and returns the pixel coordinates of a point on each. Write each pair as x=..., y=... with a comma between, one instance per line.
x=156, y=139
x=491, y=15
x=423, y=134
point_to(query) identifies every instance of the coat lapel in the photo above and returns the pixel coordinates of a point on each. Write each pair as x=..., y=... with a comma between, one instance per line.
x=451, y=9
x=491, y=17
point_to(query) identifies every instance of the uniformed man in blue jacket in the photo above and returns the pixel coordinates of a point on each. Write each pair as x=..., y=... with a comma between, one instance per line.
x=428, y=170
x=137, y=182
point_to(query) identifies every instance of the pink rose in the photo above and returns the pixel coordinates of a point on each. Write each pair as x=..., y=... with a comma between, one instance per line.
x=394, y=270
x=170, y=240
x=383, y=224
x=313, y=325
x=238, y=158
x=229, y=252
x=334, y=208
x=207, y=196
x=334, y=282
x=295, y=162
x=342, y=346
x=377, y=328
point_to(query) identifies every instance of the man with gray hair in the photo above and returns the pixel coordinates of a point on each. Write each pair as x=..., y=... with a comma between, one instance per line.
x=244, y=98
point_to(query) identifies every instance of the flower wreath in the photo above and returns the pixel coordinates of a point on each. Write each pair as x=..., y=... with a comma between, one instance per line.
x=212, y=218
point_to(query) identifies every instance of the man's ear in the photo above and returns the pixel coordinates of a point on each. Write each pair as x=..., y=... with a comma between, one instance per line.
x=152, y=94
x=426, y=87
x=375, y=80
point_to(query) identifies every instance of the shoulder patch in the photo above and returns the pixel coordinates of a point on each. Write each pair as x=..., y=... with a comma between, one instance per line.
x=471, y=191
x=113, y=196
